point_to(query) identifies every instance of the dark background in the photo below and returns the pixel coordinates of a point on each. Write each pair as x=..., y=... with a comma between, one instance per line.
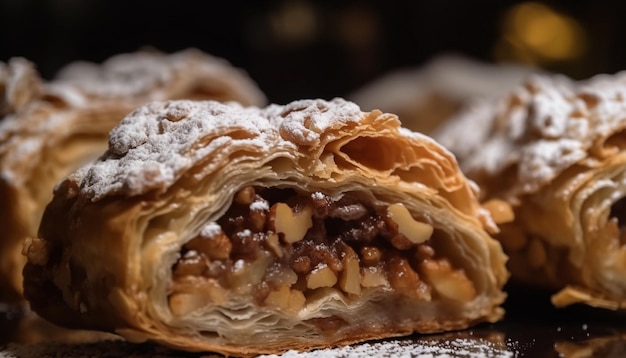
x=299, y=48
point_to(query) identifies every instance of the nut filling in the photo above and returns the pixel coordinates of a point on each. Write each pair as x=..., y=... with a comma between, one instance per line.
x=281, y=246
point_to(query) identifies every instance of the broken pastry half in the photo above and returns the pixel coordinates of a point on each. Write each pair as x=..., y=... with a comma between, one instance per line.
x=555, y=150
x=50, y=128
x=239, y=230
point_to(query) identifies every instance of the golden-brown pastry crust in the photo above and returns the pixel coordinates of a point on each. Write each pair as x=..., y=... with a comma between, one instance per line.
x=119, y=232
x=48, y=129
x=555, y=149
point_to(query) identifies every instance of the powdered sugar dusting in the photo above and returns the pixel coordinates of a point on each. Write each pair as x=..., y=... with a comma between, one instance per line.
x=542, y=128
x=150, y=73
x=422, y=348
x=239, y=265
x=260, y=205
x=244, y=233
x=151, y=147
x=156, y=143
x=319, y=267
x=118, y=76
x=303, y=121
x=211, y=230
x=459, y=347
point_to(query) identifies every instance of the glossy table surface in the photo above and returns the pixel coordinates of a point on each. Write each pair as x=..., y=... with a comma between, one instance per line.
x=531, y=328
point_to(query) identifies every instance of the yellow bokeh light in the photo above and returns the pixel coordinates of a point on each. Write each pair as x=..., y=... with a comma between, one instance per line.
x=540, y=34
x=295, y=23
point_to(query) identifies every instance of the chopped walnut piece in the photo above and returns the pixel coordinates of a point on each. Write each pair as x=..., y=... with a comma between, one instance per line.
x=405, y=280
x=257, y=219
x=350, y=280
x=401, y=242
x=217, y=247
x=279, y=297
x=292, y=225
x=500, y=211
x=321, y=276
x=272, y=243
x=424, y=252
x=296, y=300
x=373, y=276
x=415, y=231
x=347, y=212
x=245, y=196
x=192, y=263
x=449, y=283
x=286, y=298
x=370, y=255
x=301, y=264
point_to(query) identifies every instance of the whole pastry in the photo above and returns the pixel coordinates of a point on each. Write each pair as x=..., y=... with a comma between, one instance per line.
x=239, y=230
x=555, y=149
x=49, y=129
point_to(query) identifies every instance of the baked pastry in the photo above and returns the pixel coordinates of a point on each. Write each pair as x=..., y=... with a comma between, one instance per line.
x=216, y=227
x=426, y=97
x=49, y=129
x=555, y=150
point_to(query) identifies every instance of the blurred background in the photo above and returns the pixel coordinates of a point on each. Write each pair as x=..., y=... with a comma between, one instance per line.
x=300, y=49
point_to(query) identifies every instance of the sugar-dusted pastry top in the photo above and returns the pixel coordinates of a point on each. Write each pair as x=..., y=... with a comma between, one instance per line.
x=20, y=87
x=427, y=96
x=19, y=82
x=34, y=113
x=151, y=73
x=153, y=146
x=538, y=130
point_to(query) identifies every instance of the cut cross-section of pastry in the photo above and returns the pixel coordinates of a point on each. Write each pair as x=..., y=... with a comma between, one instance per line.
x=50, y=128
x=218, y=227
x=555, y=150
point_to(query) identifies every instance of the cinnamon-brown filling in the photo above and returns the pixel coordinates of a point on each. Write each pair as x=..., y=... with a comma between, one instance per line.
x=283, y=245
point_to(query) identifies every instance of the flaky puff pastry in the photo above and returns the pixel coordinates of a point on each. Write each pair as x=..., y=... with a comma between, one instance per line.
x=49, y=129
x=556, y=150
x=216, y=227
